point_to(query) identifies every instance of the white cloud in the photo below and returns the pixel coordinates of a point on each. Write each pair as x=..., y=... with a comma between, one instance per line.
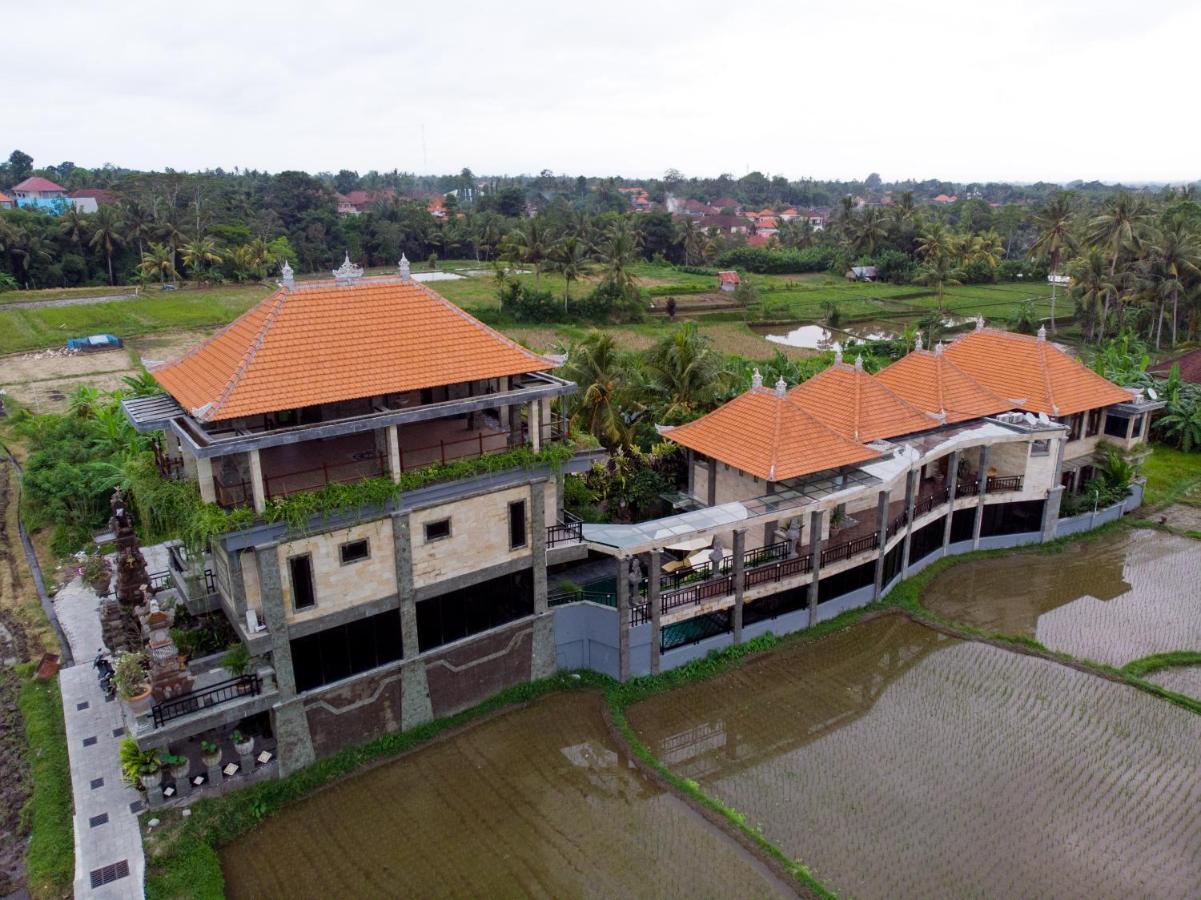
x=1025, y=90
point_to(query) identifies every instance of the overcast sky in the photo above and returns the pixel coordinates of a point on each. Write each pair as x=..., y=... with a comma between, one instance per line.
x=1021, y=90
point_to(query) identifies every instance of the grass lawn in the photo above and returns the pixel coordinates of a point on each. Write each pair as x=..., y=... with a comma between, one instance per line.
x=32, y=329
x=7, y=297
x=1170, y=474
x=50, y=861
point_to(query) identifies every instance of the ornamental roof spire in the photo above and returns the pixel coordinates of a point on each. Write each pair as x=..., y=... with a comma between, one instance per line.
x=347, y=273
x=756, y=379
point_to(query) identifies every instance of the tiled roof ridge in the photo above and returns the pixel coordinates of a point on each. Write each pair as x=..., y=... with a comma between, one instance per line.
x=471, y=320
x=1041, y=349
x=942, y=361
x=248, y=357
x=891, y=393
x=775, y=438
x=814, y=420
x=195, y=349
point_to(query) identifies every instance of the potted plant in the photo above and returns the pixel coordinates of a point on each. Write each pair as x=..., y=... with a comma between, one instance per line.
x=129, y=677
x=178, y=766
x=210, y=753
x=96, y=572
x=237, y=660
x=140, y=768
x=244, y=745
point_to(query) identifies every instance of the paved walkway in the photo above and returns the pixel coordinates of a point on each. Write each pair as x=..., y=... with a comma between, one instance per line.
x=70, y=301
x=107, y=836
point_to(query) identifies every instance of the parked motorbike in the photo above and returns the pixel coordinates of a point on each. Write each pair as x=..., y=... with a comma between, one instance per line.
x=104, y=672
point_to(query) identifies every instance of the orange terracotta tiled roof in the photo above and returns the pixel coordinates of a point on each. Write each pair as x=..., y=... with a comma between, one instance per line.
x=934, y=384
x=858, y=406
x=728, y=278
x=326, y=342
x=764, y=433
x=1023, y=366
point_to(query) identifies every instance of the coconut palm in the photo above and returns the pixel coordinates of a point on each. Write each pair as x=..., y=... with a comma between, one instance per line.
x=690, y=239
x=1092, y=288
x=1119, y=226
x=158, y=260
x=1174, y=258
x=199, y=254
x=73, y=225
x=603, y=377
x=107, y=235
x=938, y=268
x=569, y=257
x=868, y=231
x=618, y=252
x=1055, y=238
x=137, y=221
x=531, y=245
x=685, y=373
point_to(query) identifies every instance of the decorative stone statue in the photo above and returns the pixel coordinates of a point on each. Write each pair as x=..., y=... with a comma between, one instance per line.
x=794, y=536
x=131, y=565
x=716, y=555
x=635, y=576
x=169, y=675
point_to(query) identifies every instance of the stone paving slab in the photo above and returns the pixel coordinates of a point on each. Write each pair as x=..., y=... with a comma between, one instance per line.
x=106, y=828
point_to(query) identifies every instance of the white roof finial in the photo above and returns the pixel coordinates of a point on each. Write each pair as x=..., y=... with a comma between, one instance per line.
x=404, y=267
x=1042, y=332
x=837, y=355
x=348, y=272
x=979, y=322
x=938, y=349
x=859, y=363
x=917, y=342
x=285, y=272
x=781, y=387
x=756, y=379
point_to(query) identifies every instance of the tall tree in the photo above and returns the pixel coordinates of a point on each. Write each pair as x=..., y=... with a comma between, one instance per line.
x=1054, y=238
x=106, y=235
x=159, y=260
x=199, y=254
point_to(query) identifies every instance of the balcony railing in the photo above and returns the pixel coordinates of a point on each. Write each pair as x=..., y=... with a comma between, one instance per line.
x=1000, y=484
x=967, y=487
x=569, y=531
x=249, y=685
x=898, y=523
x=851, y=548
x=929, y=502
x=180, y=565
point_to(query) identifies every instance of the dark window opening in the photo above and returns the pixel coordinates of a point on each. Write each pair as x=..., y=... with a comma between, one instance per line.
x=963, y=525
x=692, y=631
x=775, y=605
x=1075, y=425
x=1012, y=518
x=345, y=650
x=469, y=611
x=301, y=570
x=1094, y=422
x=892, y=563
x=353, y=551
x=517, y=525
x=926, y=540
x=436, y=531
x=844, y=582
x=1138, y=426
x=1115, y=426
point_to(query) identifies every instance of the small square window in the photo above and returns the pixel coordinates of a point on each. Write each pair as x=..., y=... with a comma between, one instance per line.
x=354, y=551
x=437, y=531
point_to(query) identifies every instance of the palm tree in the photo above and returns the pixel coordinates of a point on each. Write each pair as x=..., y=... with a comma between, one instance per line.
x=603, y=378
x=1175, y=257
x=690, y=238
x=569, y=257
x=869, y=231
x=618, y=252
x=199, y=254
x=938, y=268
x=159, y=260
x=73, y=225
x=1092, y=288
x=137, y=223
x=685, y=373
x=1055, y=238
x=106, y=235
x=532, y=244
x=1119, y=226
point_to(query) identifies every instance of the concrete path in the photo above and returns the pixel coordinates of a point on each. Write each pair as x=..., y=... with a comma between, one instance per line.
x=107, y=837
x=69, y=301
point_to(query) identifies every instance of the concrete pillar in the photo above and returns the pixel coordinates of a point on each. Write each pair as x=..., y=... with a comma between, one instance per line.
x=911, y=482
x=535, y=423
x=981, y=486
x=815, y=555
x=1051, y=513
x=739, y=581
x=538, y=544
x=394, y=453
x=882, y=525
x=691, y=474
x=953, y=489
x=204, y=475
x=257, y=486
x=712, y=481
x=656, y=601
x=623, y=619
x=515, y=425
x=415, y=705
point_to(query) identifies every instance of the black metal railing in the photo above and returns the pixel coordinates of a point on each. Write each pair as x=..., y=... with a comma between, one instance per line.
x=159, y=581
x=898, y=523
x=568, y=531
x=851, y=548
x=967, y=487
x=562, y=598
x=249, y=685
x=929, y=502
x=999, y=484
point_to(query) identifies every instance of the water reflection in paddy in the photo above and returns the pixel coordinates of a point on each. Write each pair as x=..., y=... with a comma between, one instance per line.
x=897, y=762
x=822, y=337
x=536, y=802
x=1114, y=599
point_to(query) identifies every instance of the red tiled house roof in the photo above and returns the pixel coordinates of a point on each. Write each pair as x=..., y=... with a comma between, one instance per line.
x=37, y=183
x=856, y=405
x=328, y=342
x=934, y=384
x=1190, y=367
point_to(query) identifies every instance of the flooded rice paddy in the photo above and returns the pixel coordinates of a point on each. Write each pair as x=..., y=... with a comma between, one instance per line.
x=898, y=762
x=822, y=337
x=1114, y=599
x=535, y=802
x=1181, y=679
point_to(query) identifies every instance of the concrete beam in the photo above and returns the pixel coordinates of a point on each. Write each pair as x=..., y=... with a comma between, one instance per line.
x=538, y=543
x=204, y=475
x=402, y=547
x=393, y=454
x=981, y=488
x=882, y=520
x=911, y=482
x=623, y=619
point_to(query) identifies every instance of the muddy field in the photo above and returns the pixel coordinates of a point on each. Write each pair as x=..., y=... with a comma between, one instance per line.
x=895, y=761
x=1116, y=598
x=536, y=802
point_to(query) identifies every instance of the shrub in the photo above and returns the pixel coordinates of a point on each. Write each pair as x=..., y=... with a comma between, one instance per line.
x=778, y=262
x=129, y=676
x=135, y=763
x=237, y=660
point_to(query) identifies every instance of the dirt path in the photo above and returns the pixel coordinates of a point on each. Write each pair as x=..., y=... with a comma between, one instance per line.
x=68, y=301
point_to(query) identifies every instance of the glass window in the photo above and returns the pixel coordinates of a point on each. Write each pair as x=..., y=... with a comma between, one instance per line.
x=436, y=531
x=353, y=551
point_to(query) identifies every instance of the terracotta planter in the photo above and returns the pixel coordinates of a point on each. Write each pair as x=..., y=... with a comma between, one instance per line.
x=140, y=704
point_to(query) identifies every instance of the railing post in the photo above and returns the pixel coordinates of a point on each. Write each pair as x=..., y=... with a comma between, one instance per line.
x=656, y=603
x=442, y=449
x=739, y=581
x=480, y=435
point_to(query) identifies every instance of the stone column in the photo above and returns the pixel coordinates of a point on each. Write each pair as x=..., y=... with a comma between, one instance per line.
x=1050, y=522
x=543, y=662
x=535, y=422
x=911, y=482
x=257, y=487
x=394, y=453
x=515, y=425
x=953, y=489
x=623, y=619
x=691, y=474
x=815, y=556
x=415, y=705
x=656, y=602
x=290, y=723
x=204, y=475
x=981, y=486
x=882, y=525
x=739, y=581
x=712, y=481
